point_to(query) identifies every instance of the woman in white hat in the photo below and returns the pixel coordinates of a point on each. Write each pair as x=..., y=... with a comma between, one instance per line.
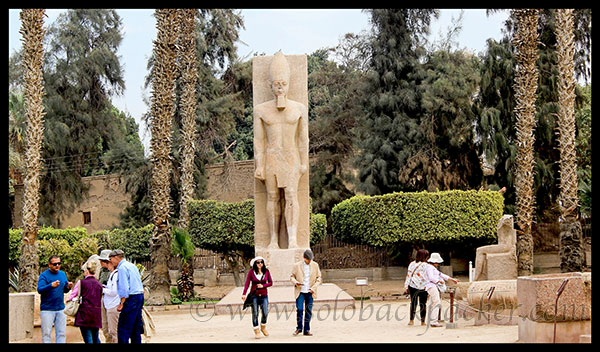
x=433, y=278
x=260, y=277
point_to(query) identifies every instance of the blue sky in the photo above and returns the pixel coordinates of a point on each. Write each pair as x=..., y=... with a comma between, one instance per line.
x=294, y=31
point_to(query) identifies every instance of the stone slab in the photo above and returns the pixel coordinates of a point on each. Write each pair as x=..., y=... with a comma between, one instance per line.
x=537, y=294
x=566, y=331
x=282, y=299
x=20, y=315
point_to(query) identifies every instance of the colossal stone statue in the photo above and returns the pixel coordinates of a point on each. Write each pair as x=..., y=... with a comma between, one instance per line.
x=281, y=152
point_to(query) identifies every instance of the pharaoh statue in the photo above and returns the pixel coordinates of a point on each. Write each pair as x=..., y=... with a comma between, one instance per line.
x=281, y=153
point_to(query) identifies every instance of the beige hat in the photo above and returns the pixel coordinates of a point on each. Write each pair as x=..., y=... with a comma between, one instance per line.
x=104, y=255
x=435, y=258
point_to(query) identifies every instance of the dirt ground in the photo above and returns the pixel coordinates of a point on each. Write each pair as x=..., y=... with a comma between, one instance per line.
x=377, y=321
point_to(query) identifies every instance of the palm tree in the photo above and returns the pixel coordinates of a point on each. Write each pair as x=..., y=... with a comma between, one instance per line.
x=33, y=34
x=526, y=77
x=189, y=76
x=571, y=252
x=163, y=109
x=33, y=50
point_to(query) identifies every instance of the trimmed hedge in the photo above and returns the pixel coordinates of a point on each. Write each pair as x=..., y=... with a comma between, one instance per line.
x=221, y=226
x=75, y=245
x=224, y=226
x=446, y=217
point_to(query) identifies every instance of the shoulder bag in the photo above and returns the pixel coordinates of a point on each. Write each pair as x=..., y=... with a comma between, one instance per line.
x=72, y=306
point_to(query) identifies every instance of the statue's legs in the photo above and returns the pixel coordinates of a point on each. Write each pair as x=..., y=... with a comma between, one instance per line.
x=273, y=215
x=292, y=213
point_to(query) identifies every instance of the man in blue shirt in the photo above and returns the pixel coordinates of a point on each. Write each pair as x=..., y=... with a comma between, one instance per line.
x=131, y=292
x=52, y=286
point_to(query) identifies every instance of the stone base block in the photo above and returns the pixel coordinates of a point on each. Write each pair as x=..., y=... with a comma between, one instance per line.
x=280, y=263
x=537, y=297
x=566, y=332
x=20, y=315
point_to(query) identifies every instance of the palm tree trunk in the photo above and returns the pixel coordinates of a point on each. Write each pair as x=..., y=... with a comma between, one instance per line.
x=189, y=77
x=571, y=251
x=163, y=109
x=526, y=76
x=33, y=34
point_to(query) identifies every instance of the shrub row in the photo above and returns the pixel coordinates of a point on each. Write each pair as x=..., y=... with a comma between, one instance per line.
x=446, y=217
x=225, y=226
x=75, y=246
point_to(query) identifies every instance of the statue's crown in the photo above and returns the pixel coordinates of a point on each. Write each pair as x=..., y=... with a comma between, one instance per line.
x=280, y=69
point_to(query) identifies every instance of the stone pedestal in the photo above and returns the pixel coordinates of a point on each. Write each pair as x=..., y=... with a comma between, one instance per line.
x=537, y=296
x=280, y=263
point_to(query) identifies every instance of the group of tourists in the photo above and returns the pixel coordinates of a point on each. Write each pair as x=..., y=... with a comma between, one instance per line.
x=306, y=277
x=111, y=300
x=423, y=280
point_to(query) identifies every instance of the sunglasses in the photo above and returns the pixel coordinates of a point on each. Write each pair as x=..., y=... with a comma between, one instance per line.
x=260, y=262
x=55, y=264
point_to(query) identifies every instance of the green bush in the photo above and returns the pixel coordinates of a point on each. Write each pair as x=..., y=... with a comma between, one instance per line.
x=318, y=228
x=224, y=226
x=71, y=235
x=71, y=257
x=135, y=242
x=447, y=217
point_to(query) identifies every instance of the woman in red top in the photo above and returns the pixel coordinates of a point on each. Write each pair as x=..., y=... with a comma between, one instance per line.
x=260, y=277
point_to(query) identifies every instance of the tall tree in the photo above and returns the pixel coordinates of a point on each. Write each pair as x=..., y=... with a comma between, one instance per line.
x=163, y=109
x=571, y=251
x=189, y=76
x=389, y=132
x=32, y=33
x=82, y=73
x=526, y=79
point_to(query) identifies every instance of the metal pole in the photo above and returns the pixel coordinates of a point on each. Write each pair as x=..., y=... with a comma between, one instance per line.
x=451, y=306
x=558, y=293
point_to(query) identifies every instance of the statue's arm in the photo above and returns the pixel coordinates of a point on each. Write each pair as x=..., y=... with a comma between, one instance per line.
x=303, y=140
x=259, y=147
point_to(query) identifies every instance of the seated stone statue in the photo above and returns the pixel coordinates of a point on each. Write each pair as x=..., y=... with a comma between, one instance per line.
x=498, y=261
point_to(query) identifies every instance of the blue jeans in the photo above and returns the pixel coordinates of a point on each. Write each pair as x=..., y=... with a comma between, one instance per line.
x=90, y=335
x=130, y=320
x=263, y=303
x=59, y=320
x=304, y=304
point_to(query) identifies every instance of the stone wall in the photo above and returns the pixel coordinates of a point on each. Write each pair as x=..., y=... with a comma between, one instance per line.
x=231, y=182
x=99, y=211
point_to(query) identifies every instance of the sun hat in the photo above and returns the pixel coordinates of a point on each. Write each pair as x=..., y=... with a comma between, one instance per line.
x=255, y=259
x=435, y=258
x=104, y=255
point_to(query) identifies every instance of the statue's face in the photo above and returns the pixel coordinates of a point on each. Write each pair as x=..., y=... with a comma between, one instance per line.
x=279, y=88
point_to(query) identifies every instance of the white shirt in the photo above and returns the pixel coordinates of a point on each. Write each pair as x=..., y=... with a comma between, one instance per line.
x=111, y=296
x=433, y=276
x=306, y=283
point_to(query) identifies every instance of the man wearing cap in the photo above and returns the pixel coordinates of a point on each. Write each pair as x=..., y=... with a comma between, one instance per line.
x=306, y=276
x=110, y=297
x=131, y=293
x=432, y=277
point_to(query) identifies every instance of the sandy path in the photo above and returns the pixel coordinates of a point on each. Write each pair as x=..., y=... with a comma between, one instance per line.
x=377, y=322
